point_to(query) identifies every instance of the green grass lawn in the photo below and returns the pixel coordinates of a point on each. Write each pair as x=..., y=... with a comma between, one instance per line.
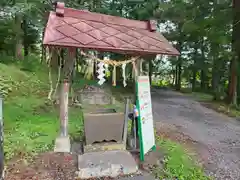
x=30, y=129
x=177, y=163
x=30, y=124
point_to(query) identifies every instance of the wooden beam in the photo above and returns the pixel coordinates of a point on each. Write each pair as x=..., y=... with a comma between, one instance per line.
x=64, y=95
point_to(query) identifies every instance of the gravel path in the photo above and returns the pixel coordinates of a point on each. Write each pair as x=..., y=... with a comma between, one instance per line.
x=217, y=136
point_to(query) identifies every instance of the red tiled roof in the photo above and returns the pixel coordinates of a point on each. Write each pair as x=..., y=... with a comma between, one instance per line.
x=87, y=30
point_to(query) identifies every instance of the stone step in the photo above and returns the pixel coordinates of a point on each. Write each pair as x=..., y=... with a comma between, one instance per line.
x=62, y=144
x=108, y=163
x=104, y=146
x=139, y=177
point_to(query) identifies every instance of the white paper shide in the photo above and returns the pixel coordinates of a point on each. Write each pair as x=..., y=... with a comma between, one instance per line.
x=101, y=73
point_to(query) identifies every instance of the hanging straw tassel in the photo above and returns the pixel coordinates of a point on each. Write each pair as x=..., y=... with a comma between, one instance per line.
x=114, y=76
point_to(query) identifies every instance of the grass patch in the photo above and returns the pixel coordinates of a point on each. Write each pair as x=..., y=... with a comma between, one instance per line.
x=207, y=100
x=198, y=96
x=221, y=107
x=202, y=96
x=30, y=131
x=30, y=124
x=177, y=163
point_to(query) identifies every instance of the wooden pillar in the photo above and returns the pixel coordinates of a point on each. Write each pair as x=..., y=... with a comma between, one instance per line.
x=64, y=95
x=64, y=107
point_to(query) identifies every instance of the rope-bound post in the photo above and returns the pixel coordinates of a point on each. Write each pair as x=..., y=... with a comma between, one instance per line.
x=1, y=140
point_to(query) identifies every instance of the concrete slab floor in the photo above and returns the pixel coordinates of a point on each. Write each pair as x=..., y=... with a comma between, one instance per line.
x=109, y=163
x=62, y=144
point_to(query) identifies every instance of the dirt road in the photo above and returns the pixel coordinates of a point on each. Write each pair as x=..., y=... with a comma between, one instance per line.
x=216, y=137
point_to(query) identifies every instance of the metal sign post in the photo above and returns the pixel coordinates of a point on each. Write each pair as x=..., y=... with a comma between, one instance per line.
x=1, y=140
x=145, y=118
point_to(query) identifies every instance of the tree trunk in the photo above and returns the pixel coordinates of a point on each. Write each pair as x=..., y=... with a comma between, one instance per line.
x=203, y=79
x=179, y=68
x=194, y=70
x=236, y=53
x=173, y=75
x=194, y=80
x=237, y=89
x=43, y=33
x=176, y=76
x=215, y=76
x=203, y=76
x=25, y=36
x=18, y=37
x=215, y=84
x=179, y=74
x=232, y=81
x=150, y=71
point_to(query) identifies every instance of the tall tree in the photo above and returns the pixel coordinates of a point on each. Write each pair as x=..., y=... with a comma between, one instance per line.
x=234, y=76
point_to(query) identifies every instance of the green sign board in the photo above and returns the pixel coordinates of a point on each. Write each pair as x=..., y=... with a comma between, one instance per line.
x=145, y=119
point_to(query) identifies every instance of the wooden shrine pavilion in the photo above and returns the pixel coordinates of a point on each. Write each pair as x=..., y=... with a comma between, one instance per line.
x=71, y=28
